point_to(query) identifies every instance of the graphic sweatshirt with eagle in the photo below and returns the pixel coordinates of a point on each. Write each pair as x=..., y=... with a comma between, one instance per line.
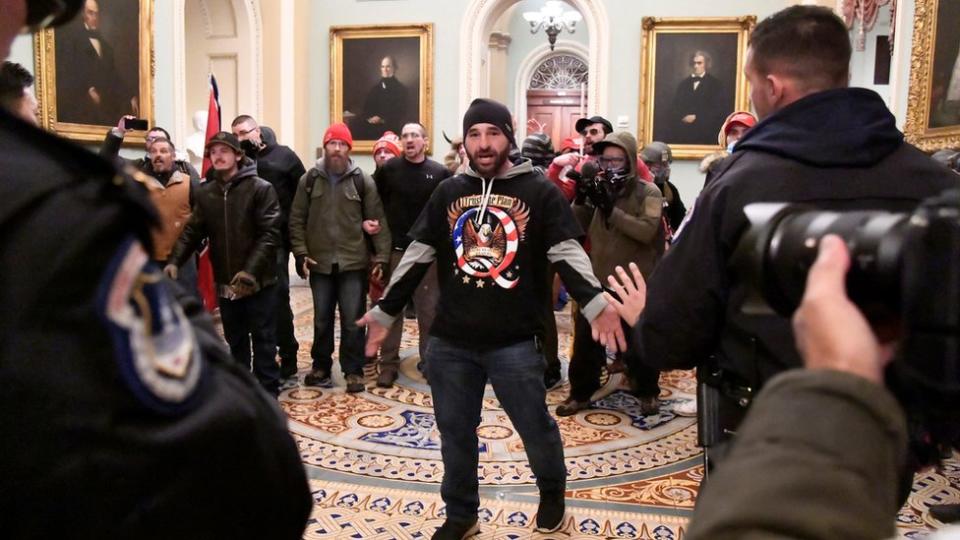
x=493, y=240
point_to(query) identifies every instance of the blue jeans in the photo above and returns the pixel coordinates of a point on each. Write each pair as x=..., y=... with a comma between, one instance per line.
x=349, y=291
x=458, y=376
x=252, y=317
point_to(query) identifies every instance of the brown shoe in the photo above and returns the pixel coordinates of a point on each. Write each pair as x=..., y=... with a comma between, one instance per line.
x=388, y=375
x=355, y=383
x=649, y=405
x=571, y=407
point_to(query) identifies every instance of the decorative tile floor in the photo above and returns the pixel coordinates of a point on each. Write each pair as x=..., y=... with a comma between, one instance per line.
x=375, y=468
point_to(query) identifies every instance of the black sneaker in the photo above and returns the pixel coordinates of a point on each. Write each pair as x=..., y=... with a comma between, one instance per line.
x=288, y=368
x=550, y=513
x=317, y=377
x=946, y=513
x=571, y=407
x=456, y=530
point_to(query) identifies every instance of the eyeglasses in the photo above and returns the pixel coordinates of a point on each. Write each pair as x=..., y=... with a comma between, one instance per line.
x=616, y=162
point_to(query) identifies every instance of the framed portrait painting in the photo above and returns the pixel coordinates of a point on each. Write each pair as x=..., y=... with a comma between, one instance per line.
x=381, y=77
x=691, y=79
x=933, y=104
x=96, y=69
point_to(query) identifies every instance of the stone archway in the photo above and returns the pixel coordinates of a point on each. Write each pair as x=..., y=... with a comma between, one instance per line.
x=230, y=35
x=478, y=22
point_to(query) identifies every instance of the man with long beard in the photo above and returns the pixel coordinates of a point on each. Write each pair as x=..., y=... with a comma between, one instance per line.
x=492, y=232
x=333, y=199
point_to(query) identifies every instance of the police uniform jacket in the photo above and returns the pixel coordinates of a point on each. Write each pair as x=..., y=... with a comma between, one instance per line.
x=241, y=218
x=839, y=150
x=122, y=415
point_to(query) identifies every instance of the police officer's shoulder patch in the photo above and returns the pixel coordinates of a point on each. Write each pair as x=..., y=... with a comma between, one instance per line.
x=154, y=344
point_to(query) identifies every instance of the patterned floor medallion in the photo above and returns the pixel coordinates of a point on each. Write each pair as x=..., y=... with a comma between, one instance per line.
x=375, y=467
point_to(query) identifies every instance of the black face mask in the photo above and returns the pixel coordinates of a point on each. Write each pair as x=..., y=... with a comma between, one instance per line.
x=250, y=149
x=49, y=13
x=660, y=177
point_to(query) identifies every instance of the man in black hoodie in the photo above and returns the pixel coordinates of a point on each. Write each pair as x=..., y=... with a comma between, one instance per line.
x=280, y=166
x=819, y=143
x=492, y=232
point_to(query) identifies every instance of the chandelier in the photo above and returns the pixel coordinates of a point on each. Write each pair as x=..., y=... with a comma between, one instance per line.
x=553, y=19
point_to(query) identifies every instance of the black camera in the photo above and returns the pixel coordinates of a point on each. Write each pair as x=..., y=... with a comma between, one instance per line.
x=593, y=184
x=905, y=267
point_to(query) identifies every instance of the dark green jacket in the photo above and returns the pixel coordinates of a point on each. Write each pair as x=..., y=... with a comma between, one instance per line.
x=818, y=457
x=635, y=230
x=325, y=220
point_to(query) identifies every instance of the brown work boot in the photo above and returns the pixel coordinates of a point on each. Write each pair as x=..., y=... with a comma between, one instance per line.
x=388, y=375
x=571, y=407
x=355, y=383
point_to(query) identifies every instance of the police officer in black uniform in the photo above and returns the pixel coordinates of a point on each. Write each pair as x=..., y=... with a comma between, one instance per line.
x=121, y=413
x=819, y=143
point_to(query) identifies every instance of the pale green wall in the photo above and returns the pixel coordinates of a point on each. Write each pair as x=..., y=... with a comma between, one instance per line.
x=862, y=62
x=22, y=51
x=445, y=15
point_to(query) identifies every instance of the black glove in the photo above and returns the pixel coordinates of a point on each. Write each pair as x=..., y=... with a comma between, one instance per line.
x=298, y=262
x=583, y=191
x=601, y=198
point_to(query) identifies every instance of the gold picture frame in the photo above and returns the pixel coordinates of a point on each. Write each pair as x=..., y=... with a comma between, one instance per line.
x=74, y=113
x=360, y=93
x=667, y=94
x=933, y=102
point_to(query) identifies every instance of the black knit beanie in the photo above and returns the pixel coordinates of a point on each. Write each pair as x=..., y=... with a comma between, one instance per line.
x=488, y=111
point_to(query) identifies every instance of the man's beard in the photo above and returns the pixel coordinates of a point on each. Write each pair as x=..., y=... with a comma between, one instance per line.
x=159, y=168
x=498, y=162
x=335, y=164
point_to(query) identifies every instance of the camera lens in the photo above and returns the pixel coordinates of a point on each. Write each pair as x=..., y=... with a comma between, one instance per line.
x=782, y=244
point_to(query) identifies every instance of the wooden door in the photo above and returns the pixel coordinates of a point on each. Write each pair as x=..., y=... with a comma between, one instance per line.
x=557, y=110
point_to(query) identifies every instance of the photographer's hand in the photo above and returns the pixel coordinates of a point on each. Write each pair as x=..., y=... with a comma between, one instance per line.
x=831, y=332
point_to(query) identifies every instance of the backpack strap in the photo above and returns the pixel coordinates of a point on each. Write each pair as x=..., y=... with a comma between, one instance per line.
x=359, y=185
x=312, y=176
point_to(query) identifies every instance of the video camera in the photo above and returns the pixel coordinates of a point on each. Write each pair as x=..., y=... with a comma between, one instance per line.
x=905, y=268
x=594, y=185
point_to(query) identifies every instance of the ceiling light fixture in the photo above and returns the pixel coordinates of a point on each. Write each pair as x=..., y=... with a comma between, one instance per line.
x=553, y=19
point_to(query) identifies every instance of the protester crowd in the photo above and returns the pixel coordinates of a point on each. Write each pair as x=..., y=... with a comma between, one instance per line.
x=478, y=248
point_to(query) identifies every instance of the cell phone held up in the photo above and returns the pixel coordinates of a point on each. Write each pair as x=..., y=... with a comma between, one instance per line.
x=138, y=124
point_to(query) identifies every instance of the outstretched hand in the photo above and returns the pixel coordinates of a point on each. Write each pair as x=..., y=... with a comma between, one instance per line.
x=376, y=333
x=632, y=293
x=608, y=331
x=830, y=330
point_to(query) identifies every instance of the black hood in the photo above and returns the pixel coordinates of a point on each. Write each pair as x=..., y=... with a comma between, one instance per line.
x=846, y=127
x=267, y=136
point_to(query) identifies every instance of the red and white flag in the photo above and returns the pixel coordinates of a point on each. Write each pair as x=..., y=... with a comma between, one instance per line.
x=205, y=283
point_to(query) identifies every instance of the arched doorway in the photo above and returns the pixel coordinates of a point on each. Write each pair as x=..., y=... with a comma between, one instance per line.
x=553, y=84
x=223, y=37
x=478, y=23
